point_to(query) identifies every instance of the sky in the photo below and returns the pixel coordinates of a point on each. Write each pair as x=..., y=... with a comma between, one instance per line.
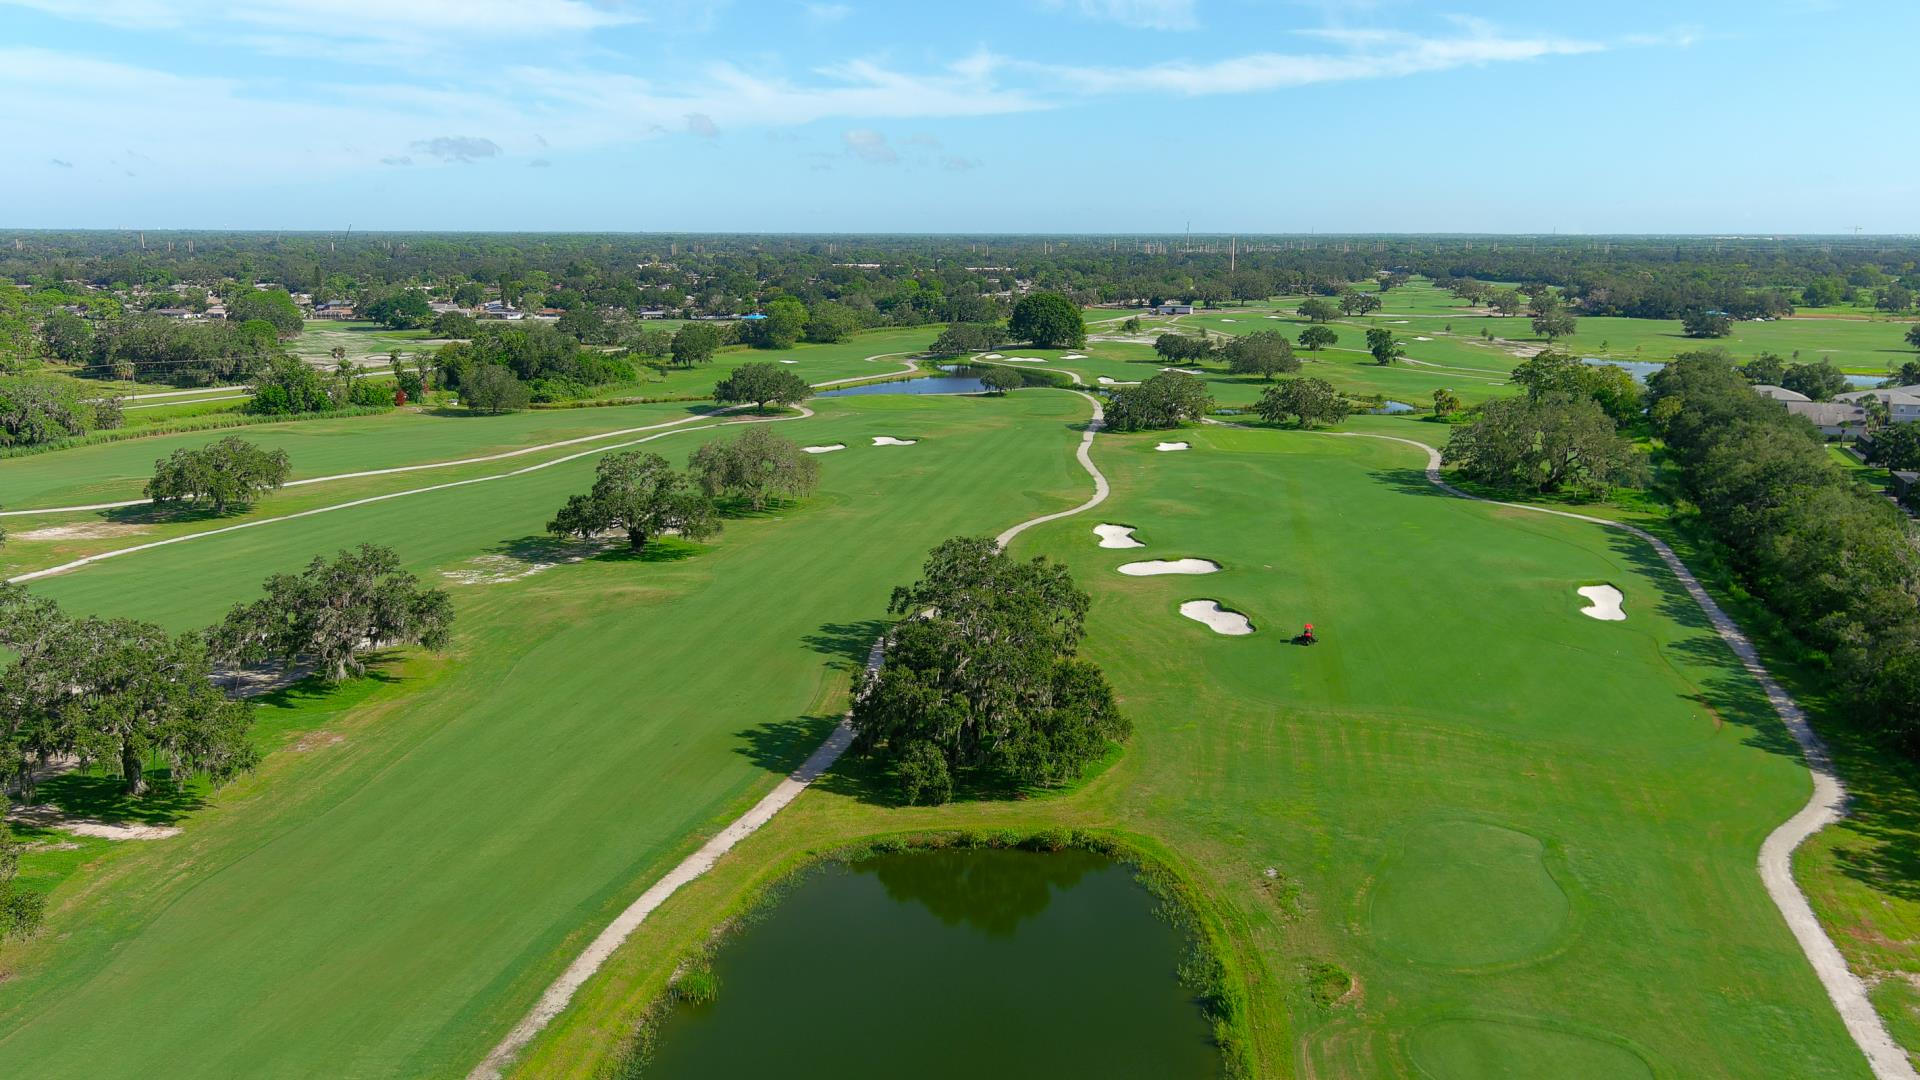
x=984, y=116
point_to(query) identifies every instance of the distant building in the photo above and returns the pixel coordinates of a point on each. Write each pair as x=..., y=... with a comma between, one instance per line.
x=333, y=309
x=1172, y=309
x=654, y=313
x=1779, y=393
x=1902, y=402
x=1835, y=419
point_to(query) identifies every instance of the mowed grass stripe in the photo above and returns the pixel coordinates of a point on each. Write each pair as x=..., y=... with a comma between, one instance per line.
x=389, y=905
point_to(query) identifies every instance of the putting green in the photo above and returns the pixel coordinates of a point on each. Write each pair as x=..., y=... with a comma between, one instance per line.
x=1466, y=894
x=1506, y=1050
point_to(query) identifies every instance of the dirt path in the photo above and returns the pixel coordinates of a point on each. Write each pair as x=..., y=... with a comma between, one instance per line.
x=603, y=946
x=1826, y=806
x=911, y=368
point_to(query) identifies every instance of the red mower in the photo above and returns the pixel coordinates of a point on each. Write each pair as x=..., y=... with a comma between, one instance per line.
x=1306, y=637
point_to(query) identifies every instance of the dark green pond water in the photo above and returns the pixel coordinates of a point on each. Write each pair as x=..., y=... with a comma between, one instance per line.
x=949, y=964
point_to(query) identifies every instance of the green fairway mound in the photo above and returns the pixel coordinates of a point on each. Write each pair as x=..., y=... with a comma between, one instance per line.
x=1499, y=1049
x=1464, y=894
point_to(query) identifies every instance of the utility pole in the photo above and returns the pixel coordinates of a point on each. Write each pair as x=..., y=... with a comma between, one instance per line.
x=1233, y=254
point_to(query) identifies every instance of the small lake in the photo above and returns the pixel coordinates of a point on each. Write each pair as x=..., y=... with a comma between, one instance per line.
x=1643, y=368
x=959, y=379
x=949, y=965
x=1393, y=408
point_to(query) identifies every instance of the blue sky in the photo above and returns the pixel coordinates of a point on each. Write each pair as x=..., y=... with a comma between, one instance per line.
x=987, y=115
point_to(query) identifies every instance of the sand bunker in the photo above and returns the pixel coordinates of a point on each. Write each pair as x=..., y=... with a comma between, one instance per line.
x=827, y=449
x=888, y=440
x=1167, y=446
x=1226, y=320
x=1075, y=356
x=1217, y=618
x=1183, y=370
x=1423, y=339
x=991, y=356
x=1273, y=316
x=1116, y=536
x=1025, y=359
x=1104, y=381
x=1606, y=603
x=1156, y=567
x=789, y=361
x=94, y=530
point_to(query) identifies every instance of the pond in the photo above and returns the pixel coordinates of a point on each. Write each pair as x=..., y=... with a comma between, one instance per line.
x=1393, y=408
x=959, y=379
x=1643, y=368
x=949, y=964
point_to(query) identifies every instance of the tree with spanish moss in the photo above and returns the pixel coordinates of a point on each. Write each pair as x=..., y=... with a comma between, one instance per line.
x=334, y=612
x=641, y=495
x=981, y=679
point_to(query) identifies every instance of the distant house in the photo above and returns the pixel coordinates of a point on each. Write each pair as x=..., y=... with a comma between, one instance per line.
x=1835, y=419
x=1902, y=402
x=174, y=312
x=654, y=313
x=1779, y=393
x=333, y=309
x=1172, y=309
x=444, y=307
x=216, y=311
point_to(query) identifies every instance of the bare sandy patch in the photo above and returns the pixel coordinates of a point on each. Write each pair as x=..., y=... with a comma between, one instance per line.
x=1104, y=381
x=888, y=440
x=1116, y=536
x=1156, y=567
x=91, y=530
x=1075, y=356
x=1605, y=603
x=1217, y=618
x=789, y=361
x=48, y=816
x=826, y=449
x=1169, y=447
x=501, y=569
x=1184, y=370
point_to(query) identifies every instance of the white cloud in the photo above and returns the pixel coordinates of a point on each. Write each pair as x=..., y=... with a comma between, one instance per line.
x=465, y=149
x=1137, y=14
x=1370, y=54
x=870, y=146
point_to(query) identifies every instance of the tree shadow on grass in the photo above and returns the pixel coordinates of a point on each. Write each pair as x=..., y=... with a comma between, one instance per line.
x=848, y=643
x=168, y=513
x=1883, y=809
x=549, y=549
x=665, y=549
x=92, y=794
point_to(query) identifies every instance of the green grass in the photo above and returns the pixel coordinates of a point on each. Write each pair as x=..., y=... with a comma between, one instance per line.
x=1528, y=836
x=116, y=471
x=390, y=899
x=365, y=343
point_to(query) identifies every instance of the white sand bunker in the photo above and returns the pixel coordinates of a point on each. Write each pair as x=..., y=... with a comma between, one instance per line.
x=789, y=361
x=1217, y=618
x=1025, y=359
x=1606, y=603
x=1104, y=381
x=1116, y=536
x=95, y=530
x=1169, y=446
x=1075, y=356
x=888, y=440
x=1417, y=338
x=1183, y=370
x=1156, y=567
x=1273, y=316
x=827, y=449
x=1226, y=320
x=991, y=356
